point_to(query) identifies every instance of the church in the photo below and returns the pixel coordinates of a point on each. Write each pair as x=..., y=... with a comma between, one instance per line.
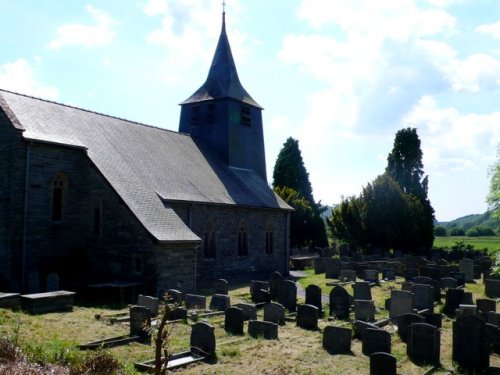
x=93, y=198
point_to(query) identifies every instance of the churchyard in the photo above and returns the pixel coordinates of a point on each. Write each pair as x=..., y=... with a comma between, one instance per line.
x=357, y=321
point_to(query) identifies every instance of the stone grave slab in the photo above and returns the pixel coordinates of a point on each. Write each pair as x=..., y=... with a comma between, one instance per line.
x=471, y=343
x=195, y=301
x=453, y=300
x=152, y=303
x=423, y=297
x=307, y=317
x=175, y=296
x=371, y=276
x=53, y=282
x=274, y=281
x=202, y=339
x=433, y=319
x=249, y=310
x=234, y=321
x=382, y=364
x=389, y=274
x=274, y=313
x=140, y=319
x=347, y=275
x=339, y=303
x=492, y=288
x=448, y=282
x=376, y=340
x=221, y=286
x=337, y=340
x=401, y=303
x=362, y=290
x=287, y=295
x=364, y=310
x=220, y=302
x=313, y=297
x=360, y=327
x=332, y=268
x=40, y=303
x=466, y=267
x=319, y=265
x=484, y=306
x=267, y=330
x=10, y=301
x=404, y=323
x=424, y=344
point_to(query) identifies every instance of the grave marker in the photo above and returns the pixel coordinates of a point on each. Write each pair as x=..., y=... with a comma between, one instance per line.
x=337, y=340
x=424, y=344
x=376, y=340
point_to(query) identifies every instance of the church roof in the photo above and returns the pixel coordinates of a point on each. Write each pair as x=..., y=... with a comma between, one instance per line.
x=222, y=80
x=147, y=166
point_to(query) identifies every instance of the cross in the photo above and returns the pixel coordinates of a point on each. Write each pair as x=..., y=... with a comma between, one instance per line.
x=223, y=6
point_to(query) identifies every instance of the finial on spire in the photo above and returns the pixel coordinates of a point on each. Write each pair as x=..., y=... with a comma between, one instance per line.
x=223, y=6
x=224, y=14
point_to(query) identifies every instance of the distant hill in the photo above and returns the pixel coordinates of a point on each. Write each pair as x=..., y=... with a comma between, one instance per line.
x=466, y=222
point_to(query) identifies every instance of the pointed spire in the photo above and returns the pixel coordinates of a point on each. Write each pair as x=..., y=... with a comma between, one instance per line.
x=222, y=80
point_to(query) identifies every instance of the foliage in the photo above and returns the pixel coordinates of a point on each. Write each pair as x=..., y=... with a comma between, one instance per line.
x=457, y=232
x=440, y=231
x=493, y=197
x=306, y=227
x=479, y=231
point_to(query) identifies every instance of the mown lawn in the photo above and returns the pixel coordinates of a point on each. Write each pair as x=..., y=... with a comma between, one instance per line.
x=491, y=243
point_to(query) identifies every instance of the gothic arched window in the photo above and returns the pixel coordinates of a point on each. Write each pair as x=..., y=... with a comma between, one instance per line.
x=210, y=240
x=59, y=190
x=269, y=238
x=242, y=241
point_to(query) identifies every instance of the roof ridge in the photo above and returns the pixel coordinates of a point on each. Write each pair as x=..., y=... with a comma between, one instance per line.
x=90, y=111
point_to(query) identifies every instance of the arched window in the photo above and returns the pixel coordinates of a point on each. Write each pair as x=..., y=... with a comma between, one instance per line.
x=269, y=238
x=242, y=241
x=59, y=191
x=210, y=240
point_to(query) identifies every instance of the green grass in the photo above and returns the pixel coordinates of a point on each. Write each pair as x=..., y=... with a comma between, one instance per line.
x=491, y=243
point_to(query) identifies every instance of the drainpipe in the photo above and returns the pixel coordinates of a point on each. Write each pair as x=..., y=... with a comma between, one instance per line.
x=25, y=218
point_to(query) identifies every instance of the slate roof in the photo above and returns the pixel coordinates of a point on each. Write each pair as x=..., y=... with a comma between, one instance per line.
x=222, y=80
x=147, y=166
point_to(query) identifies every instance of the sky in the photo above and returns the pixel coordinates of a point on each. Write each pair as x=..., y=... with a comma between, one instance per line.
x=340, y=76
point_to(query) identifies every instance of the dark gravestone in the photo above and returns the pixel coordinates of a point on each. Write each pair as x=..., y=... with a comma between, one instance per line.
x=484, y=306
x=492, y=288
x=410, y=273
x=494, y=318
x=467, y=268
x=274, y=313
x=274, y=281
x=494, y=335
x=401, y=303
x=337, y=340
x=448, y=282
x=179, y=313
x=339, y=303
x=140, y=321
x=52, y=282
x=422, y=280
x=313, y=297
x=257, y=284
x=360, y=328
x=332, y=268
x=471, y=343
x=267, y=330
x=261, y=296
x=234, y=321
x=364, y=310
x=221, y=286
x=423, y=297
x=467, y=299
x=389, y=274
x=407, y=286
x=249, y=310
x=319, y=265
x=459, y=276
x=360, y=269
x=382, y=364
x=220, y=302
x=376, y=340
x=477, y=271
x=174, y=296
x=347, y=275
x=433, y=319
x=436, y=284
x=424, y=344
x=404, y=323
x=307, y=317
x=202, y=339
x=371, y=276
x=194, y=301
x=287, y=295
x=151, y=303
x=362, y=290
x=453, y=300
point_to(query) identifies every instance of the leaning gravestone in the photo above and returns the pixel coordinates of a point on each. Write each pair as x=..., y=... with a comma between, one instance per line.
x=471, y=343
x=151, y=303
x=234, y=321
x=362, y=290
x=221, y=287
x=404, y=323
x=339, y=303
x=220, y=302
x=337, y=340
x=382, y=364
x=287, y=295
x=140, y=320
x=274, y=313
x=467, y=268
x=360, y=328
x=332, y=268
x=364, y=310
x=203, y=339
x=267, y=330
x=401, y=303
x=249, y=310
x=194, y=301
x=274, y=281
x=307, y=317
x=424, y=344
x=313, y=297
x=376, y=340
x=52, y=282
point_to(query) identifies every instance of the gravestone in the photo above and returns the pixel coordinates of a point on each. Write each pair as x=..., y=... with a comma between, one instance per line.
x=492, y=288
x=274, y=281
x=471, y=343
x=389, y=274
x=234, y=321
x=484, y=306
x=151, y=303
x=360, y=327
x=448, y=282
x=52, y=282
x=140, y=321
x=221, y=287
x=319, y=265
x=257, y=284
x=287, y=295
x=424, y=344
x=477, y=271
x=313, y=297
x=274, y=313
x=371, y=276
x=410, y=273
x=362, y=290
x=179, y=313
x=337, y=340
x=433, y=319
x=401, y=303
x=459, y=276
x=494, y=318
x=347, y=275
x=220, y=302
x=332, y=268
x=267, y=330
x=174, y=296
x=261, y=296
x=194, y=301
x=464, y=310
x=404, y=323
x=382, y=364
x=307, y=317
x=407, y=286
x=453, y=300
x=202, y=339
x=422, y=280
x=249, y=310
x=467, y=268
x=436, y=284
x=467, y=298
x=364, y=310
x=376, y=340
x=423, y=297
x=339, y=303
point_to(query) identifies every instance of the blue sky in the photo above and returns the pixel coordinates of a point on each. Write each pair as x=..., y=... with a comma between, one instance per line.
x=340, y=76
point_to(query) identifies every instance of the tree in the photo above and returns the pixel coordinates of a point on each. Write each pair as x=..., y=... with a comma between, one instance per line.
x=404, y=165
x=493, y=198
x=440, y=231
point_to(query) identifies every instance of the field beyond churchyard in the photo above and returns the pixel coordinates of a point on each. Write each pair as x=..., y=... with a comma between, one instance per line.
x=53, y=338
x=491, y=243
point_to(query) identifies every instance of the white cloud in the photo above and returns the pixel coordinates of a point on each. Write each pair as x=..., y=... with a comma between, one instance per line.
x=492, y=29
x=100, y=33
x=18, y=76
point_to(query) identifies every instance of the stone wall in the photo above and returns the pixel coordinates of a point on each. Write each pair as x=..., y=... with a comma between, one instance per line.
x=176, y=267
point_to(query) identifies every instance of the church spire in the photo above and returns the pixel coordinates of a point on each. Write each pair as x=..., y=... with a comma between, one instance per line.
x=222, y=80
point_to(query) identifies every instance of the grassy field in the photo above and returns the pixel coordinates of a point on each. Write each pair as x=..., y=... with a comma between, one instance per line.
x=53, y=338
x=491, y=243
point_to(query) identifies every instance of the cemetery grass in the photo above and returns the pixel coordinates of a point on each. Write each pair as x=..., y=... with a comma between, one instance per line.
x=53, y=338
x=491, y=243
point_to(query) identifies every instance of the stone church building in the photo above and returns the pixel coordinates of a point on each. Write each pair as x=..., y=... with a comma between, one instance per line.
x=96, y=199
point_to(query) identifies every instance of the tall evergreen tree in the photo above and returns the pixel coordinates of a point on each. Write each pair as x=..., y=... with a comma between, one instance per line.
x=404, y=165
x=493, y=198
